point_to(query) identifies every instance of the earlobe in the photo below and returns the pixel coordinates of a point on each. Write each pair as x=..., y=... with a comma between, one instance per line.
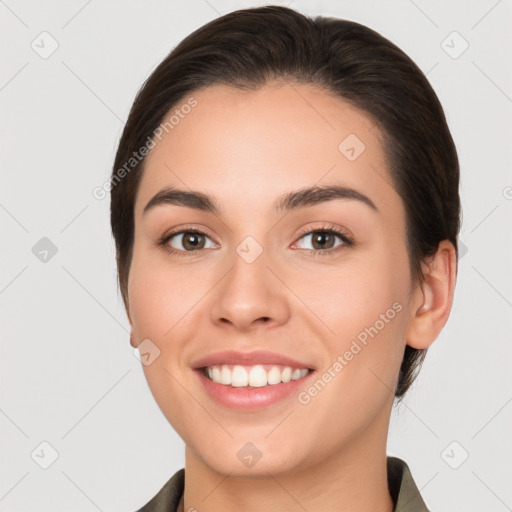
x=132, y=339
x=433, y=298
x=132, y=336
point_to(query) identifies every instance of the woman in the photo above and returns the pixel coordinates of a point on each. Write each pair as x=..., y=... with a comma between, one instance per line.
x=285, y=207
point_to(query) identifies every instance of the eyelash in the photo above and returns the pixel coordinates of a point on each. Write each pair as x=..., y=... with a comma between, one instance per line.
x=330, y=229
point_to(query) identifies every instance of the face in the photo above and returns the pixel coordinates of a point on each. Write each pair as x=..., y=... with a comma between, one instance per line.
x=319, y=281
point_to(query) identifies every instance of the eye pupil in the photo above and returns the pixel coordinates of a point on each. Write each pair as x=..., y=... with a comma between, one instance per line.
x=320, y=238
x=193, y=238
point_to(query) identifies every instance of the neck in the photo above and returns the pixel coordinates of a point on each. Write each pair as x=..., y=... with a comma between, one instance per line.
x=353, y=479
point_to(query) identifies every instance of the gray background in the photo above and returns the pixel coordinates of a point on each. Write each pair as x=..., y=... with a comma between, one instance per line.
x=68, y=374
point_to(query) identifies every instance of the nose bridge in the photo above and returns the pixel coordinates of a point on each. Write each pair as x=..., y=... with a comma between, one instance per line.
x=250, y=292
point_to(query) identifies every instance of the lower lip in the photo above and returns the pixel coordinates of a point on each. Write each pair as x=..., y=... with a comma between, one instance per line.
x=251, y=399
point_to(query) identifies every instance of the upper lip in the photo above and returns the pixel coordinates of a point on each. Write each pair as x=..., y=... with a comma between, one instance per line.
x=248, y=359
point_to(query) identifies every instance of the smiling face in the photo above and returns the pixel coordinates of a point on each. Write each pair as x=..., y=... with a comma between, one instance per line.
x=319, y=277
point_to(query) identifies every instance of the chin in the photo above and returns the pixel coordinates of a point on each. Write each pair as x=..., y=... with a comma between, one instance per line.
x=250, y=459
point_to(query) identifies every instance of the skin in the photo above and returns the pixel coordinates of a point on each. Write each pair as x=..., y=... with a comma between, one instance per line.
x=248, y=149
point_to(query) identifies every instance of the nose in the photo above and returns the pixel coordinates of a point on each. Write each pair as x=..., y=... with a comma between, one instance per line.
x=251, y=295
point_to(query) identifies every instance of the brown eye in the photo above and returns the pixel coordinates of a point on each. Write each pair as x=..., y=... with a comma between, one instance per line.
x=188, y=241
x=193, y=241
x=325, y=240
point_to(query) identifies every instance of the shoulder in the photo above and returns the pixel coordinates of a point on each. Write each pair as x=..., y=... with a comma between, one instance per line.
x=168, y=497
x=402, y=487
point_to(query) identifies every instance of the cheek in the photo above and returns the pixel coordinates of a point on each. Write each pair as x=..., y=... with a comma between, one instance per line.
x=364, y=356
x=165, y=307
x=161, y=308
x=149, y=298
x=355, y=296
x=159, y=296
x=367, y=319
x=365, y=308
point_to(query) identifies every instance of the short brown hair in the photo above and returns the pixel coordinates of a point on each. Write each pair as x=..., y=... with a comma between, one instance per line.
x=248, y=48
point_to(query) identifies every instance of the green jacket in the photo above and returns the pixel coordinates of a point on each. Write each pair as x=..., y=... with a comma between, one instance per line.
x=402, y=488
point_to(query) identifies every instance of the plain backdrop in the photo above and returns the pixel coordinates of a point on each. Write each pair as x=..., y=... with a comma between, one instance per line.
x=74, y=397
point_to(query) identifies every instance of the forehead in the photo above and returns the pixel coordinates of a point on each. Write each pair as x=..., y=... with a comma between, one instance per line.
x=246, y=148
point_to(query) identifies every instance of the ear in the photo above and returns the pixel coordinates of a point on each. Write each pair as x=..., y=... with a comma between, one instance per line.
x=433, y=298
x=132, y=339
x=133, y=343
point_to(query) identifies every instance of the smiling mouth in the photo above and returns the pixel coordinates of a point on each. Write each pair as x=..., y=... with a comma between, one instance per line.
x=256, y=376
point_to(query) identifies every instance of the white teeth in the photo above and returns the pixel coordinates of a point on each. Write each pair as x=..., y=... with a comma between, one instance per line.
x=257, y=377
x=239, y=377
x=286, y=374
x=274, y=375
x=225, y=376
x=254, y=376
x=216, y=374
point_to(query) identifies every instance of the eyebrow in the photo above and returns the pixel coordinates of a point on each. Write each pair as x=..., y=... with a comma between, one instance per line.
x=294, y=200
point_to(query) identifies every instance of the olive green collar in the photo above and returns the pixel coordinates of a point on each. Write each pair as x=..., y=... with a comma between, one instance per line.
x=402, y=488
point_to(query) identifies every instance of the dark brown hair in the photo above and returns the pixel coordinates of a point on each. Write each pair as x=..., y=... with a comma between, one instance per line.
x=247, y=49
